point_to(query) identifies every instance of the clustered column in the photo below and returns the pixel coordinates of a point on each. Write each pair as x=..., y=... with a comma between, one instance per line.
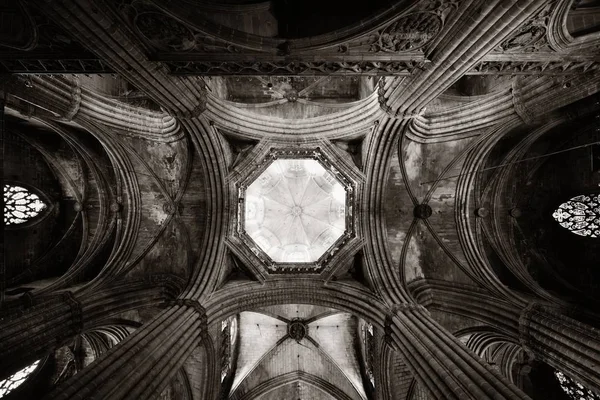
x=564, y=343
x=31, y=332
x=441, y=363
x=143, y=364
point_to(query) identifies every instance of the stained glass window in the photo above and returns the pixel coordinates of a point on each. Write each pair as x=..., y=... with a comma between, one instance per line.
x=369, y=351
x=20, y=205
x=574, y=389
x=228, y=337
x=580, y=215
x=12, y=382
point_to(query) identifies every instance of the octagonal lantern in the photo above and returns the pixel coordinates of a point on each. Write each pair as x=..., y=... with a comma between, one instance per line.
x=295, y=211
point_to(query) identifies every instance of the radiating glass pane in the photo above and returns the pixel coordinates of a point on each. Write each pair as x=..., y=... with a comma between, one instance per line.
x=574, y=389
x=580, y=215
x=20, y=205
x=12, y=382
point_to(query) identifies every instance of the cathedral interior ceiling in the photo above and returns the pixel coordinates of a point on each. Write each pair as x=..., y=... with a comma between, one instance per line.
x=399, y=156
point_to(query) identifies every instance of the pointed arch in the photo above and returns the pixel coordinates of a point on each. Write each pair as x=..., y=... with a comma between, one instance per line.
x=24, y=205
x=580, y=215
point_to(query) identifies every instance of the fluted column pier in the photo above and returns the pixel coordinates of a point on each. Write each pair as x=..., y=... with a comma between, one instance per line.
x=562, y=342
x=544, y=331
x=31, y=332
x=445, y=367
x=143, y=364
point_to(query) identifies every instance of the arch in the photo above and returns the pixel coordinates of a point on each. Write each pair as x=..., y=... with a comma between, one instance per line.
x=574, y=389
x=24, y=205
x=496, y=348
x=580, y=215
x=237, y=297
x=14, y=381
x=292, y=377
x=559, y=36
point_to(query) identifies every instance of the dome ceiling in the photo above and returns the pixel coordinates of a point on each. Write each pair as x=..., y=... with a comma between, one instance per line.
x=295, y=210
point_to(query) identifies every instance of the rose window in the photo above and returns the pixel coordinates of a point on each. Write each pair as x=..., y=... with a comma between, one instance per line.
x=20, y=205
x=580, y=215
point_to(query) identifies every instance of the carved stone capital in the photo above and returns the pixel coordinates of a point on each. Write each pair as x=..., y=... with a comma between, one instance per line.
x=199, y=309
x=190, y=303
x=75, y=100
x=387, y=332
x=76, y=310
x=520, y=107
x=525, y=325
x=195, y=113
x=396, y=308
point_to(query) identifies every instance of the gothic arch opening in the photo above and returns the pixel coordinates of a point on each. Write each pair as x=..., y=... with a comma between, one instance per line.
x=23, y=206
x=583, y=18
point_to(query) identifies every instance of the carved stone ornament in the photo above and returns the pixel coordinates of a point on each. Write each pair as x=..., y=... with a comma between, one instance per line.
x=526, y=37
x=531, y=36
x=297, y=329
x=292, y=67
x=165, y=33
x=422, y=211
x=408, y=33
x=533, y=67
x=168, y=34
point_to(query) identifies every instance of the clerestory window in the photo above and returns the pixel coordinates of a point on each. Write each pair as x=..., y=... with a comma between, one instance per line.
x=369, y=343
x=15, y=380
x=21, y=205
x=574, y=389
x=580, y=215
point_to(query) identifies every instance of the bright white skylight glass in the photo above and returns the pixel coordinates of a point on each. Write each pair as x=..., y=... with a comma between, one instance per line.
x=15, y=380
x=20, y=205
x=295, y=210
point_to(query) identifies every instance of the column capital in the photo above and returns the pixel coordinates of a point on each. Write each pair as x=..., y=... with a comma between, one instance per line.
x=519, y=105
x=394, y=310
x=76, y=310
x=190, y=303
x=403, y=307
x=199, y=309
x=525, y=326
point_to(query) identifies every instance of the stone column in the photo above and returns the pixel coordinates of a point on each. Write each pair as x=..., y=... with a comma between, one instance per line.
x=443, y=365
x=142, y=365
x=30, y=332
x=562, y=342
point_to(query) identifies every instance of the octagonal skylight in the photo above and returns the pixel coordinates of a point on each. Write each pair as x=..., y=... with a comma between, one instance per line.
x=295, y=210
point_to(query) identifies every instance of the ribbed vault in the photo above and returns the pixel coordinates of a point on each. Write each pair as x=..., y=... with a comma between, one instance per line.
x=308, y=201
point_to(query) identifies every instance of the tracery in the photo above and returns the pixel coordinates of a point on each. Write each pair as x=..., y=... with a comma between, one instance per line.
x=369, y=351
x=228, y=336
x=15, y=380
x=580, y=215
x=20, y=205
x=574, y=389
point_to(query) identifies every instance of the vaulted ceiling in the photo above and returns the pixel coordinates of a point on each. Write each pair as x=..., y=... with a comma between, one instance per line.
x=455, y=128
x=272, y=354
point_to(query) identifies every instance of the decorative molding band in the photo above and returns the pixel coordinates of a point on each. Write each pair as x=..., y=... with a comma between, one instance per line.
x=548, y=67
x=241, y=67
